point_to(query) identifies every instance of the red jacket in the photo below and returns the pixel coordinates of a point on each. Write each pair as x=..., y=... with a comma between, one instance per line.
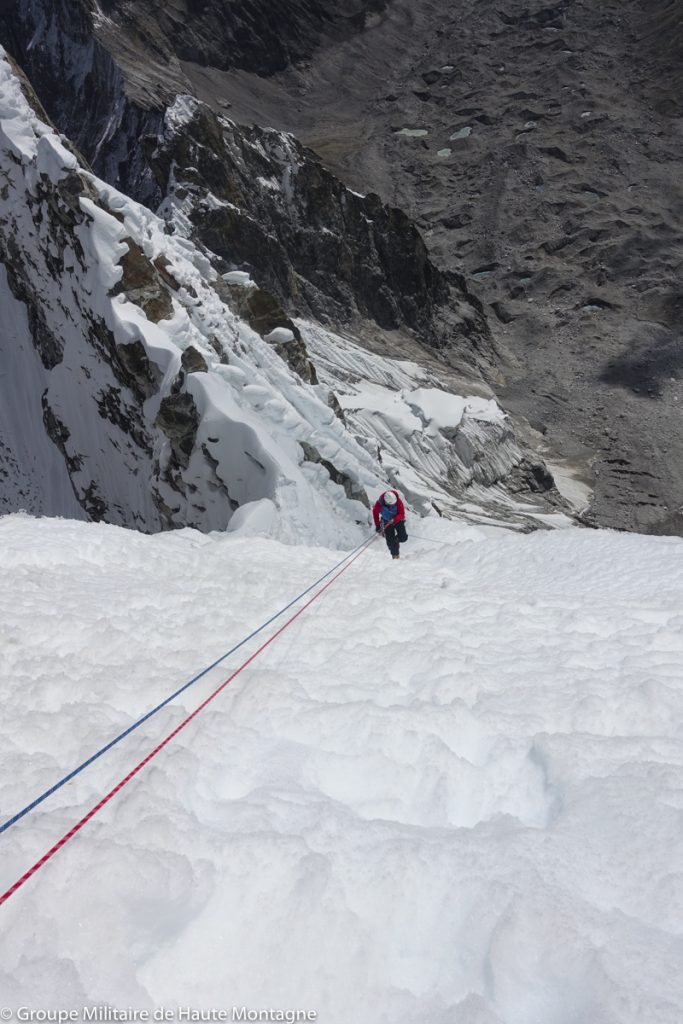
x=400, y=513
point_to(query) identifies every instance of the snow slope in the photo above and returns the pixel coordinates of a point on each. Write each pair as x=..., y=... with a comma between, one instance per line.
x=452, y=791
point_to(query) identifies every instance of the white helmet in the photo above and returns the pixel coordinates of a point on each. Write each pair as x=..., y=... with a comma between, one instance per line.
x=389, y=497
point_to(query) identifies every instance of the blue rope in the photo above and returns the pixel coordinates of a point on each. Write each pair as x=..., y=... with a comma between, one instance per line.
x=136, y=725
x=428, y=540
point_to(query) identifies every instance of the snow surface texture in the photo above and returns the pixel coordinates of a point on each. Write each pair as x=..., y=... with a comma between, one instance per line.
x=452, y=791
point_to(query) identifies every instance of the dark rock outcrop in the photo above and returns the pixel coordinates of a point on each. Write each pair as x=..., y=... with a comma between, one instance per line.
x=192, y=361
x=179, y=420
x=352, y=489
x=140, y=374
x=261, y=310
x=141, y=283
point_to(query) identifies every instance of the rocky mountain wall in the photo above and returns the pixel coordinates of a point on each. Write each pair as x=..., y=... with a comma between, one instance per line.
x=156, y=389
x=322, y=249
x=257, y=35
x=262, y=202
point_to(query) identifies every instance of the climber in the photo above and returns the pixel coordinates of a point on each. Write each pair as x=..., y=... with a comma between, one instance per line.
x=390, y=519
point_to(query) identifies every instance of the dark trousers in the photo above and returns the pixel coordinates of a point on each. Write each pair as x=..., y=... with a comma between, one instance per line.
x=395, y=534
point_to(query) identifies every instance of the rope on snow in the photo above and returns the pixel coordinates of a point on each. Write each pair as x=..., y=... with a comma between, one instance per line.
x=136, y=725
x=356, y=553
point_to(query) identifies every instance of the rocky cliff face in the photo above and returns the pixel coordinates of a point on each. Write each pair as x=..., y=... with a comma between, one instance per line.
x=83, y=90
x=254, y=34
x=262, y=202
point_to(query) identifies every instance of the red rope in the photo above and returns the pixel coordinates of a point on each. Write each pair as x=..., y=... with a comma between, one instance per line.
x=186, y=721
